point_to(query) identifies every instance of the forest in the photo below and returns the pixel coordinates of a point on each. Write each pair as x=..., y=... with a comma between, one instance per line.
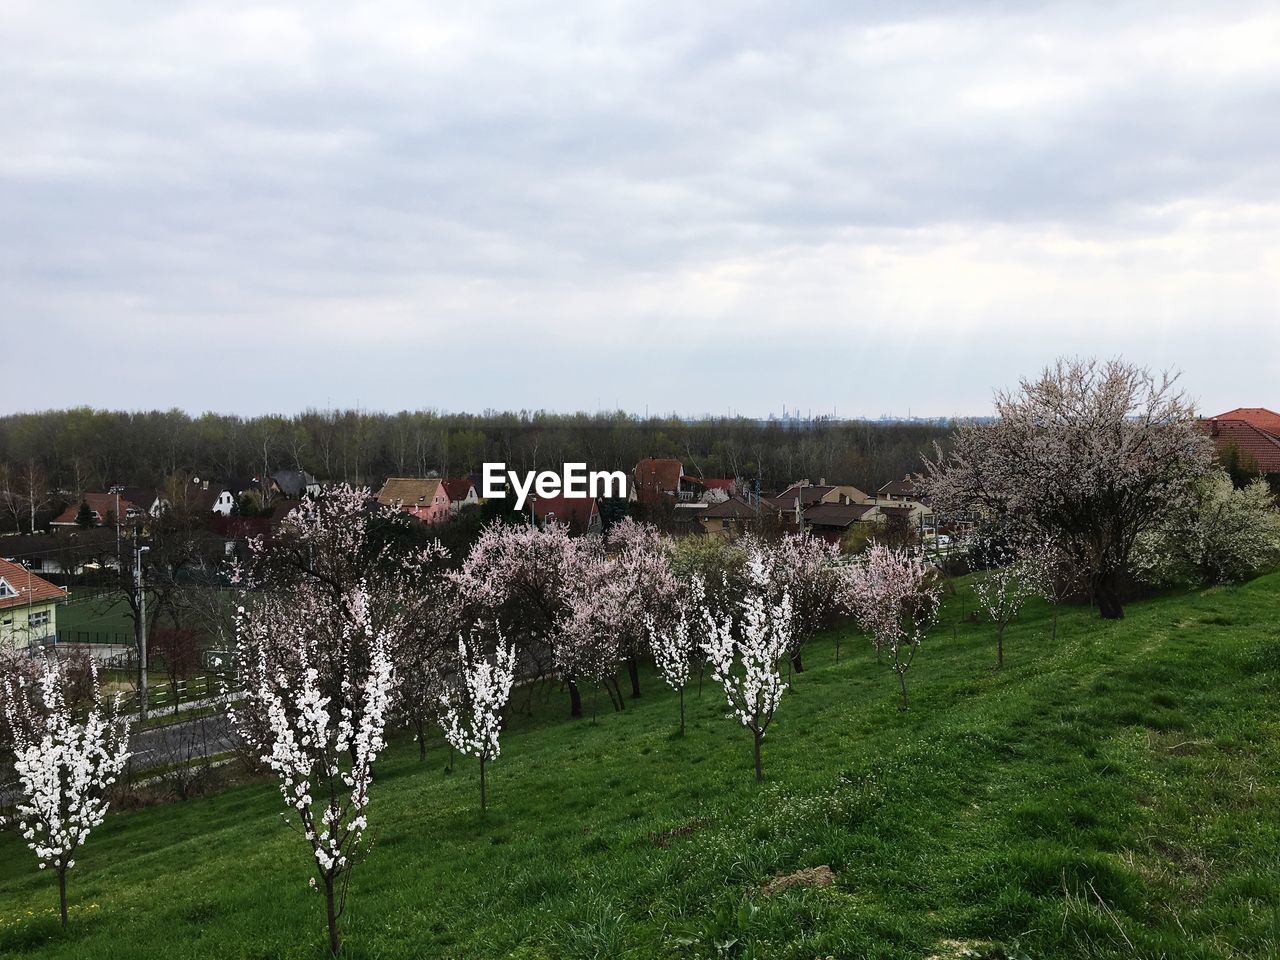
x=72, y=451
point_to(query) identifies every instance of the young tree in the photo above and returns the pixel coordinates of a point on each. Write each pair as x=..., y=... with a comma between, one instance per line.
x=179, y=649
x=1008, y=583
x=744, y=655
x=320, y=742
x=895, y=597
x=472, y=717
x=1090, y=454
x=64, y=768
x=674, y=643
x=1057, y=575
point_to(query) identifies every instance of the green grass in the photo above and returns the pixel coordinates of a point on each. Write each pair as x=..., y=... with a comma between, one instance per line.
x=95, y=612
x=1112, y=794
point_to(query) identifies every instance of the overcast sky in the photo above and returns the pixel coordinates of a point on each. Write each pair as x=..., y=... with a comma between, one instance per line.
x=868, y=208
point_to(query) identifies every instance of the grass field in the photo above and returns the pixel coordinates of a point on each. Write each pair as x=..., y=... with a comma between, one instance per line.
x=1112, y=794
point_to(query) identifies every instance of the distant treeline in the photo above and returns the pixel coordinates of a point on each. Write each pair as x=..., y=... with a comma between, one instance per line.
x=86, y=449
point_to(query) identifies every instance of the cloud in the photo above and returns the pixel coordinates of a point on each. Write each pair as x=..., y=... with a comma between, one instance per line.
x=620, y=188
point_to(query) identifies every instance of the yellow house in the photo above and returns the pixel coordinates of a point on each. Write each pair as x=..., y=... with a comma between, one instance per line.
x=28, y=608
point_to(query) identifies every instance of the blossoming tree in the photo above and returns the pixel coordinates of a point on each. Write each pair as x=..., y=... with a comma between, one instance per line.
x=526, y=580
x=1092, y=454
x=673, y=643
x=319, y=737
x=472, y=716
x=588, y=637
x=642, y=587
x=1012, y=579
x=895, y=598
x=803, y=567
x=64, y=768
x=744, y=653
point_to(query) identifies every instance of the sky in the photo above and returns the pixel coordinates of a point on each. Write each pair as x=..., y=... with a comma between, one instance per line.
x=855, y=208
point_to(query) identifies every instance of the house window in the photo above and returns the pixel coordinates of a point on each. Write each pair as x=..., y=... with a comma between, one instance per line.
x=40, y=619
x=6, y=590
x=725, y=524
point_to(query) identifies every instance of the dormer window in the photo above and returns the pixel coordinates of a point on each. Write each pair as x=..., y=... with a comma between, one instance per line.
x=6, y=590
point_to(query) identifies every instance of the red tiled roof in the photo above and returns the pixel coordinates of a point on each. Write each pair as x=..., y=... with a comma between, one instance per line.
x=31, y=589
x=101, y=504
x=575, y=511
x=457, y=489
x=1255, y=445
x=1259, y=417
x=656, y=477
x=717, y=483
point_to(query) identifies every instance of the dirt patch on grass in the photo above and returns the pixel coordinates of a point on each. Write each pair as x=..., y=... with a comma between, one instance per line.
x=664, y=838
x=808, y=877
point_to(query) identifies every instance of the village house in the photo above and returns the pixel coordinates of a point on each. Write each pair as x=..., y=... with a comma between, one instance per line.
x=424, y=497
x=104, y=508
x=63, y=552
x=28, y=609
x=462, y=493
x=292, y=484
x=807, y=494
x=581, y=514
x=1250, y=436
x=833, y=521
x=729, y=518
x=656, y=479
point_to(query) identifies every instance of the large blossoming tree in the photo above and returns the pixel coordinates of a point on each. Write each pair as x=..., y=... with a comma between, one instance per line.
x=472, y=710
x=64, y=767
x=744, y=652
x=1090, y=454
x=527, y=580
x=642, y=587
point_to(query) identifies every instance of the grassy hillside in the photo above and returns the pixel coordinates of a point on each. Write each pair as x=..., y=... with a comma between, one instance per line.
x=1112, y=794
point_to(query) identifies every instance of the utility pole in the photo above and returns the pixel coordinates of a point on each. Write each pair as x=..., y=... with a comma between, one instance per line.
x=141, y=595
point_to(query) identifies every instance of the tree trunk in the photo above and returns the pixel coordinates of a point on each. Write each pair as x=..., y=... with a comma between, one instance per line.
x=1055, y=622
x=62, y=895
x=335, y=946
x=902, y=682
x=1000, y=647
x=615, y=695
x=759, y=769
x=682, y=711
x=796, y=663
x=575, y=700
x=1106, y=591
x=422, y=740
x=633, y=670
x=482, y=806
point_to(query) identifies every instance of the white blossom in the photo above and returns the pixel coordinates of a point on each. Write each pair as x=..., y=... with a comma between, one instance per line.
x=64, y=767
x=743, y=653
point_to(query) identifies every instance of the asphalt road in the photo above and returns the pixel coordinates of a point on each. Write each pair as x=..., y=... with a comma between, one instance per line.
x=162, y=746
